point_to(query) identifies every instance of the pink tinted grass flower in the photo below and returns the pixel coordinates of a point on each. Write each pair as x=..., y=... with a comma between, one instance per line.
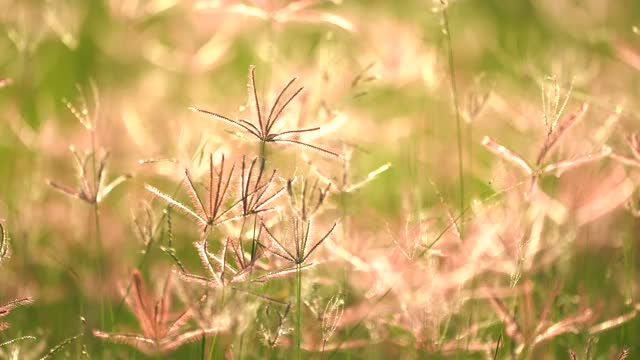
x=162, y=329
x=211, y=211
x=541, y=166
x=530, y=330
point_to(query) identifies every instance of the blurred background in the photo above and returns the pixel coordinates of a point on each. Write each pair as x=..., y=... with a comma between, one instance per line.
x=385, y=67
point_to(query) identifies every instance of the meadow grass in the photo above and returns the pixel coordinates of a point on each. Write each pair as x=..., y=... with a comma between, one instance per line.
x=355, y=179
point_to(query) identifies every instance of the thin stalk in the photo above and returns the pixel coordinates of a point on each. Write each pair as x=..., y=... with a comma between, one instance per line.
x=214, y=341
x=96, y=215
x=203, y=347
x=263, y=155
x=254, y=240
x=242, y=225
x=80, y=344
x=343, y=214
x=98, y=232
x=345, y=270
x=299, y=310
x=470, y=148
x=324, y=343
x=627, y=253
x=454, y=89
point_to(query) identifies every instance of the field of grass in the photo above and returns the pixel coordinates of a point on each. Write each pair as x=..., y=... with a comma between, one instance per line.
x=317, y=179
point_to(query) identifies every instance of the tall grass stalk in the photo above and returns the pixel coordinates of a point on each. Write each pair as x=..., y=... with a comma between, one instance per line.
x=628, y=250
x=299, y=310
x=98, y=234
x=203, y=348
x=214, y=341
x=100, y=249
x=454, y=90
x=345, y=269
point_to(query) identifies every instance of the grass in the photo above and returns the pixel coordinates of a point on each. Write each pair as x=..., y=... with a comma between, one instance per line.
x=398, y=182
x=456, y=106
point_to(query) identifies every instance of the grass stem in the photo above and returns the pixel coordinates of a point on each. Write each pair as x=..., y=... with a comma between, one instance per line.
x=98, y=232
x=299, y=310
x=454, y=90
x=263, y=155
x=214, y=341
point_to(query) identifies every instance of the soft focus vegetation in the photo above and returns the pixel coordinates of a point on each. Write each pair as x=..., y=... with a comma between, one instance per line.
x=351, y=179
